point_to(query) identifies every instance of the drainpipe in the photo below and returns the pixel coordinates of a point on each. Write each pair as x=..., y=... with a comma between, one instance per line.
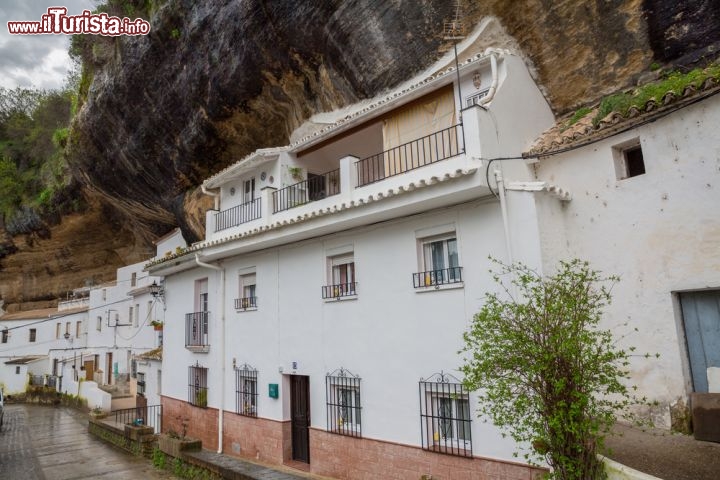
x=222, y=344
x=493, y=85
x=503, y=208
x=216, y=196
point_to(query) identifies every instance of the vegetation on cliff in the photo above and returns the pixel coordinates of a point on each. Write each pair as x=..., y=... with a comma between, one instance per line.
x=35, y=185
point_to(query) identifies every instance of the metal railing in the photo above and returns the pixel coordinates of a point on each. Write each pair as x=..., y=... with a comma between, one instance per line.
x=238, y=215
x=196, y=329
x=339, y=290
x=433, y=278
x=150, y=416
x=445, y=419
x=37, y=380
x=245, y=302
x=409, y=156
x=197, y=385
x=310, y=190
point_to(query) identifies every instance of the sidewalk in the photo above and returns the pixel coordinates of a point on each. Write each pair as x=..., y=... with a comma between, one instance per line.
x=232, y=468
x=663, y=454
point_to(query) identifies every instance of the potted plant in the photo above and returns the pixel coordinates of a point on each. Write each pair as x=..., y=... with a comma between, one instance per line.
x=295, y=173
x=97, y=413
x=157, y=325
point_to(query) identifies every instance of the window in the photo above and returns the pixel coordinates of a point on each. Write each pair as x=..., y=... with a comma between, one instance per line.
x=78, y=328
x=445, y=415
x=439, y=262
x=131, y=315
x=628, y=158
x=133, y=279
x=17, y=370
x=197, y=385
x=140, y=383
x=343, y=403
x=98, y=323
x=57, y=330
x=136, y=319
x=33, y=334
x=104, y=294
x=246, y=393
x=196, y=323
x=249, y=190
x=248, y=298
x=5, y=334
x=67, y=328
x=159, y=382
x=341, y=277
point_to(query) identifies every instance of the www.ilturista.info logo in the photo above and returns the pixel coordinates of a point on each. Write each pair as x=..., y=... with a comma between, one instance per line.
x=57, y=21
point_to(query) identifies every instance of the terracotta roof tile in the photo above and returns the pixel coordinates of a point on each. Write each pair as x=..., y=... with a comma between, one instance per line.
x=562, y=136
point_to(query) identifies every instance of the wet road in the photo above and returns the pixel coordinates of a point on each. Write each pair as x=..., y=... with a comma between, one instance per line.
x=52, y=443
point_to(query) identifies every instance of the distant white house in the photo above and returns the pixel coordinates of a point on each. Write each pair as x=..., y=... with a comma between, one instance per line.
x=321, y=317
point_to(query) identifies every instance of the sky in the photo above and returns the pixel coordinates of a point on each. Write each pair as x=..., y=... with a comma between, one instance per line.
x=39, y=61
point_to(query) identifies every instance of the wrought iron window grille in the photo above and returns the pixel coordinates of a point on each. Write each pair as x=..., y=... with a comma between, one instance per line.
x=445, y=420
x=339, y=290
x=342, y=394
x=197, y=385
x=246, y=391
x=435, y=278
x=196, y=329
x=245, y=303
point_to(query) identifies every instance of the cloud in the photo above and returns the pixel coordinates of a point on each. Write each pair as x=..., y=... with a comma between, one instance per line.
x=35, y=60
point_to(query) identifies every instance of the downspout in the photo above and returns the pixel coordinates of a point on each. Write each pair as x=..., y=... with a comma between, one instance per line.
x=503, y=208
x=216, y=196
x=222, y=344
x=493, y=85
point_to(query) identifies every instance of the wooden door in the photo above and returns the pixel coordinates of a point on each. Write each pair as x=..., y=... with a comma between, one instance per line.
x=701, y=316
x=89, y=369
x=300, y=417
x=109, y=369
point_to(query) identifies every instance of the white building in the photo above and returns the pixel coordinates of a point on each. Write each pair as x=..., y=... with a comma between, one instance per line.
x=319, y=322
x=645, y=194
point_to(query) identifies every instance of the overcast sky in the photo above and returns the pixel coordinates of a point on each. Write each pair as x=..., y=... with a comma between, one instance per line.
x=41, y=61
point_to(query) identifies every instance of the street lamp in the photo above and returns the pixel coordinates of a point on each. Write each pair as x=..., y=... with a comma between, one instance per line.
x=157, y=291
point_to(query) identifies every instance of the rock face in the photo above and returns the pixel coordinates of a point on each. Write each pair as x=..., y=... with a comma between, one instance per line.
x=215, y=80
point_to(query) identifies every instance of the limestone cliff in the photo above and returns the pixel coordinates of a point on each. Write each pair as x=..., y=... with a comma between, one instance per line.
x=216, y=80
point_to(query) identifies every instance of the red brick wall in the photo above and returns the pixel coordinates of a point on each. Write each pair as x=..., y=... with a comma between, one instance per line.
x=253, y=437
x=344, y=457
x=202, y=422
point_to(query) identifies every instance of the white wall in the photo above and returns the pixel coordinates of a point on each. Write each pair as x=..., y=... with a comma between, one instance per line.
x=390, y=335
x=659, y=231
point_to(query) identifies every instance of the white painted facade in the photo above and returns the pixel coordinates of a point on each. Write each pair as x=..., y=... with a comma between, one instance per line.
x=658, y=231
x=391, y=332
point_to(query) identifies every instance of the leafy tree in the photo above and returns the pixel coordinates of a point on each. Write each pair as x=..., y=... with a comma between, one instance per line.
x=546, y=373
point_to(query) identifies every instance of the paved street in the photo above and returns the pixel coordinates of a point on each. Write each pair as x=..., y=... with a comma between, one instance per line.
x=52, y=443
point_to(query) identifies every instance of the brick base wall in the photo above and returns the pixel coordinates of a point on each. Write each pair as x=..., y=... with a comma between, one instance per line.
x=202, y=422
x=258, y=438
x=345, y=457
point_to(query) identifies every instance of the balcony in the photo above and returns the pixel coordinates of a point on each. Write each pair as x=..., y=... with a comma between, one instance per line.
x=196, y=332
x=314, y=188
x=438, y=278
x=246, y=303
x=238, y=215
x=427, y=150
x=447, y=160
x=339, y=291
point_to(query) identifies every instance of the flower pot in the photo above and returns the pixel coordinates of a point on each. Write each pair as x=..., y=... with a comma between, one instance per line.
x=175, y=446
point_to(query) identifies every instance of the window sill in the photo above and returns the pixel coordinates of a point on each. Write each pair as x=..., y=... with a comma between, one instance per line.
x=444, y=286
x=198, y=348
x=340, y=299
x=248, y=309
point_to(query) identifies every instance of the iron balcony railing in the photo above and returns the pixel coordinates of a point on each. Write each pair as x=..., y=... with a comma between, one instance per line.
x=310, y=190
x=196, y=329
x=245, y=302
x=238, y=215
x=339, y=290
x=433, y=278
x=150, y=416
x=409, y=156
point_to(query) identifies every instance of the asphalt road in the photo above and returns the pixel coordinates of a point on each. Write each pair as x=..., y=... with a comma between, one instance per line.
x=52, y=443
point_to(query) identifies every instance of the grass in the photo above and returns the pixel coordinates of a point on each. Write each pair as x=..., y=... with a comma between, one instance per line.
x=674, y=81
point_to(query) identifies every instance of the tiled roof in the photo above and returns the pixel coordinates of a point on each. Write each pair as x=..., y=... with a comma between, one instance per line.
x=564, y=135
x=25, y=360
x=155, y=354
